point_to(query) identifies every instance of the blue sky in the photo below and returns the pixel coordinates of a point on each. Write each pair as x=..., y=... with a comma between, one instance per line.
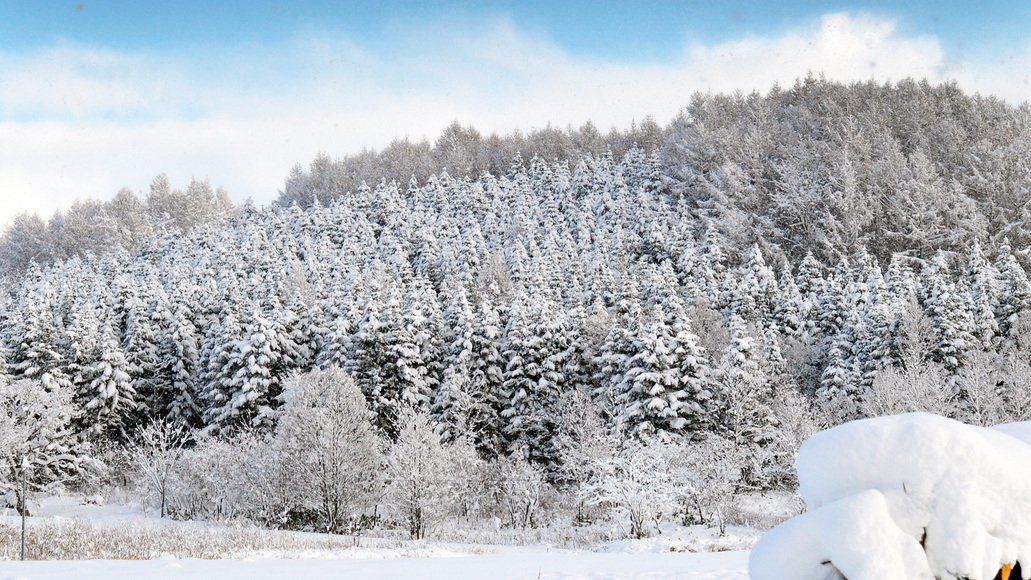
x=632, y=31
x=96, y=95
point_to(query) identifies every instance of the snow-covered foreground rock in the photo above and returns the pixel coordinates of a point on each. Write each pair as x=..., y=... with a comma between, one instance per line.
x=521, y=564
x=907, y=496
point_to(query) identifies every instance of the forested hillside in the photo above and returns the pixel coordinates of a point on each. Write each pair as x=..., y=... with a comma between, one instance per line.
x=773, y=264
x=822, y=167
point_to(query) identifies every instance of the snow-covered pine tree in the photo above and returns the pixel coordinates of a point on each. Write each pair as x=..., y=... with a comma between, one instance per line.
x=142, y=317
x=1014, y=290
x=247, y=373
x=111, y=406
x=690, y=356
x=949, y=312
x=341, y=314
x=80, y=345
x=790, y=307
x=810, y=277
x=535, y=350
x=369, y=358
x=742, y=387
x=450, y=402
x=486, y=377
x=179, y=362
x=386, y=360
x=832, y=306
x=650, y=398
x=613, y=359
x=425, y=324
x=835, y=382
x=35, y=353
x=295, y=328
x=981, y=281
x=754, y=296
x=878, y=340
x=215, y=359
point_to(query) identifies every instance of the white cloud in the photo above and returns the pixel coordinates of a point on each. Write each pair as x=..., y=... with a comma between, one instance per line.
x=82, y=122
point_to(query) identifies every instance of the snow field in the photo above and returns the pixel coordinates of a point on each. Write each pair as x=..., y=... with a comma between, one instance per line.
x=514, y=564
x=125, y=542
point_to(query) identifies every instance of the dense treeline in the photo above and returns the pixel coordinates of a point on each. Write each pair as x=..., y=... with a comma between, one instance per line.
x=461, y=152
x=777, y=263
x=95, y=227
x=484, y=301
x=822, y=167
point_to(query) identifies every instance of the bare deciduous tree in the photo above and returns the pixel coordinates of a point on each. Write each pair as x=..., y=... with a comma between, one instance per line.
x=419, y=474
x=328, y=450
x=158, y=448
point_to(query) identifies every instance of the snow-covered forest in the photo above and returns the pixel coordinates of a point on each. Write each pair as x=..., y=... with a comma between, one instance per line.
x=632, y=325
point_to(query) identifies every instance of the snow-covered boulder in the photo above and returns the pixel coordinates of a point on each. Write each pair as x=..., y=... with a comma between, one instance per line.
x=907, y=496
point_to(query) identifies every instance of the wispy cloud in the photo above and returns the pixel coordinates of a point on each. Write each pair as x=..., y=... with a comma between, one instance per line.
x=79, y=121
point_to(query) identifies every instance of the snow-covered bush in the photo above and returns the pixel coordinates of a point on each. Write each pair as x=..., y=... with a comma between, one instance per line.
x=775, y=460
x=995, y=387
x=647, y=484
x=922, y=388
x=906, y=496
x=638, y=484
x=520, y=490
x=320, y=469
x=582, y=440
x=225, y=479
x=469, y=481
x=36, y=431
x=705, y=475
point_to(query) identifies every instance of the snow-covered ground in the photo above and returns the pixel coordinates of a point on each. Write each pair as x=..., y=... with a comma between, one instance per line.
x=680, y=552
x=516, y=563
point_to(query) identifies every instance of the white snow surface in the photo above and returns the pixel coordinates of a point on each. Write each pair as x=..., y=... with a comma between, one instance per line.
x=905, y=497
x=691, y=553
x=521, y=564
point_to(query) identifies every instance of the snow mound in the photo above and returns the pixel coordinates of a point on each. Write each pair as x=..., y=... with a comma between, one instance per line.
x=904, y=497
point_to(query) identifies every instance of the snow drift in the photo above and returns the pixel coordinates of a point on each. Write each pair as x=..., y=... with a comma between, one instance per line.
x=904, y=497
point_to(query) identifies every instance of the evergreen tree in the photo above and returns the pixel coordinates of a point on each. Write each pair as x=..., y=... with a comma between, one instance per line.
x=810, y=277
x=949, y=312
x=369, y=360
x=790, y=308
x=651, y=397
x=247, y=376
x=217, y=358
x=141, y=348
x=35, y=353
x=743, y=389
x=180, y=363
x=1014, y=290
x=112, y=405
x=754, y=296
x=535, y=350
x=981, y=280
x=613, y=359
